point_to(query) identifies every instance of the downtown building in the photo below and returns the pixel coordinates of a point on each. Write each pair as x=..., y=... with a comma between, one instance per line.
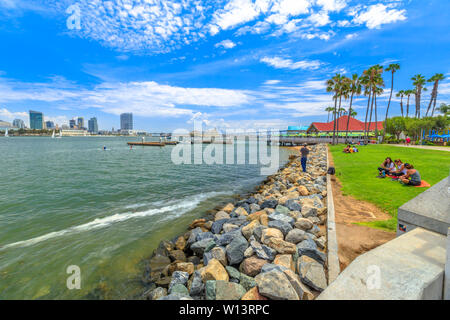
x=126, y=123
x=93, y=125
x=19, y=123
x=36, y=120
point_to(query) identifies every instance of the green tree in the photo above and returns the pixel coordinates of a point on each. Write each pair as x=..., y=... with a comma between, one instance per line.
x=355, y=88
x=335, y=85
x=391, y=68
x=329, y=109
x=401, y=94
x=418, y=82
x=436, y=78
x=395, y=126
x=444, y=108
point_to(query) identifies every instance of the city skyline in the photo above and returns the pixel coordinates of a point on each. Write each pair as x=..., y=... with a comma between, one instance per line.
x=242, y=64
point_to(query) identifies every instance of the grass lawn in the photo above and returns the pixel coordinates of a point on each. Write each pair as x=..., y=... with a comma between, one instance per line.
x=357, y=172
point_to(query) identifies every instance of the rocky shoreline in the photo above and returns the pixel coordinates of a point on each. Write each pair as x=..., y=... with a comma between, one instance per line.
x=270, y=245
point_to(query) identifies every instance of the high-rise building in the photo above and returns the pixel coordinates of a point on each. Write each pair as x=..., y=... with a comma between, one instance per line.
x=92, y=125
x=49, y=124
x=80, y=122
x=36, y=120
x=72, y=124
x=126, y=121
x=18, y=123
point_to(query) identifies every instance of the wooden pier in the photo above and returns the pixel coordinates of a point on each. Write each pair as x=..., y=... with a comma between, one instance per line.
x=149, y=144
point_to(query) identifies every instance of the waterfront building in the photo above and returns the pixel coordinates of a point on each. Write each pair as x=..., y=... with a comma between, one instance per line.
x=74, y=132
x=36, y=120
x=49, y=124
x=19, y=123
x=72, y=124
x=80, y=123
x=92, y=125
x=354, y=126
x=126, y=121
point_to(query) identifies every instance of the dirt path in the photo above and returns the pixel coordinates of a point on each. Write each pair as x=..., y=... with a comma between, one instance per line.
x=352, y=239
x=421, y=147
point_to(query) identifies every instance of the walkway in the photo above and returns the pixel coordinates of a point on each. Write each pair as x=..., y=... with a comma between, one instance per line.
x=421, y=147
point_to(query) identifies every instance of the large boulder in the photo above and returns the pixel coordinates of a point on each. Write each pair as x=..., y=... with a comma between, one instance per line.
x=247, y=231
x=284, y=227
x=214, y=271
x=252, y=266
x=262, y=251
x=312, y=273
x=229, y=291
x=217, y=225
x=235, y=250
x=295, y=236
x=275, y=285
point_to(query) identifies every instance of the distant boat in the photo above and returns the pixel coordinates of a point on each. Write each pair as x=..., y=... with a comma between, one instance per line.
x=6, y=133
x=58, y=136
x=53, y=134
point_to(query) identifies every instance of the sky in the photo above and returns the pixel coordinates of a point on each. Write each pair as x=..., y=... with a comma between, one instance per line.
x=232, y=64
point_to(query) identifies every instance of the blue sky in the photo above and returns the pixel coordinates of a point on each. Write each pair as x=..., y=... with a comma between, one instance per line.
x=230, y=63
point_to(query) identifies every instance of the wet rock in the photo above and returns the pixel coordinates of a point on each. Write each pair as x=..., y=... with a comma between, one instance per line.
x=200, y=246
x=164, y=248
x=252, y=266
x=197, y=223
x=275, y=285
x=158, y=293
x=229, y=291
x=157, y=264
x=235, y=250
x=178, y=255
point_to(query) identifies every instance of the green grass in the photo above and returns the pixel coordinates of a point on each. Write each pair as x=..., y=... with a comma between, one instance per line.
x=357, y=172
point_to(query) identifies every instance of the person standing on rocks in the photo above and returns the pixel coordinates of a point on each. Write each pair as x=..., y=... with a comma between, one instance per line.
x=304, y=151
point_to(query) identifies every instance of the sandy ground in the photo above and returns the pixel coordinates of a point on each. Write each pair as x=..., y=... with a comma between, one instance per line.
x=352, y=239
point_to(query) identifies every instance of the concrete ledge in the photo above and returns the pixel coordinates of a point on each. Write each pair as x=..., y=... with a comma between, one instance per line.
x=332, y=246
x=408, y=267
x=447, y=269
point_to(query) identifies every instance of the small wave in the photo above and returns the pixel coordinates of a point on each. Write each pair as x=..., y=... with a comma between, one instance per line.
x=181, y=207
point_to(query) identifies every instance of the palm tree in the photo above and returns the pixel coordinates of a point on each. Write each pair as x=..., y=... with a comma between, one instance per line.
x=408, y=93
x=329, y=109
x=418, y=82
x=372, y=80
x=400, y=94
x=355, y=88
x=436, y=78
x=353, y=114
x=335, y=85
x=392, y=68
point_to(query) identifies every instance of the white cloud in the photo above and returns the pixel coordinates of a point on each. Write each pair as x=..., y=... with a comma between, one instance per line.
x=226, y=44
x=319, y=19
x=351, y=36
x=271, y=82
x=7, y=115
x=332, y=5
x=282, y=63
x=379, y=14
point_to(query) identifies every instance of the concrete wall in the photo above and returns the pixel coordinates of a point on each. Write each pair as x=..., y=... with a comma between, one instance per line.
x=447, y=269
x=408, y=267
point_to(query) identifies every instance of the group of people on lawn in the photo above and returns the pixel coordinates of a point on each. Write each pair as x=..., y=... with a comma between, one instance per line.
x=350, y=149
x=403, y=172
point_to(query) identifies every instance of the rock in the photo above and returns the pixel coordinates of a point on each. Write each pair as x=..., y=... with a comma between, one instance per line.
x=241, y=211
x=163, y=282
x=178, y=277
x=158, y=293
x=281, y=217
x=221, y=215
x=185, y=267
x=255, y=215
x=197, y=286
x=180, y=289
x=303, y=224
x=262, y=251
x=229, y=291
x=252, y=266
x=226, y=238
x=176, y=296
x=235, y=250
x=254, y=207
x=285, y=260
x=303, y=191
x=312, y=273
x=308, y=211
x=315, y=230
x=208, y=225
x=177, y=255
x=193, y=236
x=264, y=219
x=281, y=246
x=247, y=231
x=257, y=232
x=216, y=253
x=214, y=271
x=228, y=227
x=204, y=235
x=157, y=264
x=270, y=266
x=284, y=227
x=302, y=291
x=194, y=259
x=247, y=282
x=271, y=233
x=275, y=285
x=218, y=225
x=210, y=246
x=228, y=208
x=233, y=273
x=269, y=204
x=321, y=242
x=197, y=223
x=164, y=248
x=200, y=246
x=253, y=294
x=309, y=248
x=282, y=209
x=210, y=290
x=295, y=236
x=249, y=252
x=293, y=205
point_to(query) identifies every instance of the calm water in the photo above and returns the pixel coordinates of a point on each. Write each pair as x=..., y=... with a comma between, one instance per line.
x=67, y=202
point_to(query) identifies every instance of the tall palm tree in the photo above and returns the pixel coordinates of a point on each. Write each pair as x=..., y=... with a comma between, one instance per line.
x=400, y=94
x=418, y=82
x=436, y=78
x=334, y=85
x=355, y=87
x=353, y=114
x=329, y=109
x=372, y=79
x=392, y=68
x=408, y=93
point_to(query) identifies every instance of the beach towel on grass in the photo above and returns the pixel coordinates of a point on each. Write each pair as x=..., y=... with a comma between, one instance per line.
x=423, y=183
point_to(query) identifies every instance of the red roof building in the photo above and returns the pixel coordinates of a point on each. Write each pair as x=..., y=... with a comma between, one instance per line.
x=353, y=126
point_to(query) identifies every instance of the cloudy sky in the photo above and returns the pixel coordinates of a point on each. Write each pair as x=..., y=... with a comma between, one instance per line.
x=230, y=63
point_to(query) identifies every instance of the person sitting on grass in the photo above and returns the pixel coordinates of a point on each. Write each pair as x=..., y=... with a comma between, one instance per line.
x=355, y=149
x=412, y=176
x=399, y=171
x=347, y=149
x=385, y=167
